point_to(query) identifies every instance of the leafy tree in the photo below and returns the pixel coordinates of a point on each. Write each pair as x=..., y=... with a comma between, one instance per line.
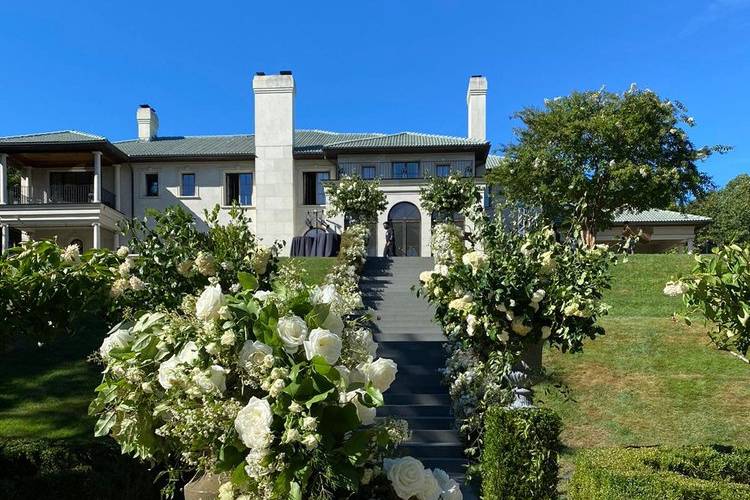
x=729, y=208
x=586, y=156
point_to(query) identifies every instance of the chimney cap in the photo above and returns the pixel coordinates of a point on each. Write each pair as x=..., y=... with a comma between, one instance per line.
x=285, y=72
x=477, y=76
x=260, y=73
x=145, y=106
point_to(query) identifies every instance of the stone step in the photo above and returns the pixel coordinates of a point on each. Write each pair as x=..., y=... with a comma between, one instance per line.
x=432, y=436
x=410, y=411
x=450, y=465
x=433, y=450
x=417, y=399
x=424, y=384
x=414, y=350
x=414, y=370
x=427, y=423
x=417, y=337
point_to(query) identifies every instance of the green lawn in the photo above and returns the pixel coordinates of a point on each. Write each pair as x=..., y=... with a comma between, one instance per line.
x=317, y=267
x=45, y=390
x=650, y=380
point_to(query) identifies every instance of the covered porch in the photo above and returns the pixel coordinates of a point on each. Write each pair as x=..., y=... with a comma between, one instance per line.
x=65, y=186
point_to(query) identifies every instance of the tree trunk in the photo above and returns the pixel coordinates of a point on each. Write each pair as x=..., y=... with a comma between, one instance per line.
x=589, y=233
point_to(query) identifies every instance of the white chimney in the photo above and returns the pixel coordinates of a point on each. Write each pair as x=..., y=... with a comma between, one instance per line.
x=476, y=101
x=148, y=122
x=275, y=194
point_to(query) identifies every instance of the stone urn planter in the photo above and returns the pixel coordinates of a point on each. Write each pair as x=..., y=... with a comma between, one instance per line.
x=521, y=379
x=205, y=487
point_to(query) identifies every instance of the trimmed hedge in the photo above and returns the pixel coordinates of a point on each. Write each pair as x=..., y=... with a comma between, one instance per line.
x=60, y=470
x=689, y=473
x=519, y=460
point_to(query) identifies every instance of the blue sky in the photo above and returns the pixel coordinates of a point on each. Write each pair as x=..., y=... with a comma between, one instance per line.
x=368, y=66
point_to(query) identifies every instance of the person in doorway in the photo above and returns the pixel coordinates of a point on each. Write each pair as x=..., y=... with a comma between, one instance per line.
x=390, y=240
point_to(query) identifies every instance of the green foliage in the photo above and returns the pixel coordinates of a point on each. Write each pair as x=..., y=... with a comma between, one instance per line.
x=590, y=154
x=175, y=258
x=68, y=470
x=729, y=207
x=47, y=291
x=719, y=289
x=690, y=473
x=519, y=461
x=360, y=201
x=447, y=196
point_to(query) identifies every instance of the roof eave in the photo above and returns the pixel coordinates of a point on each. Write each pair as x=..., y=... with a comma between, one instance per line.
x=60, y=147
x=212, y=157
x=482, y=150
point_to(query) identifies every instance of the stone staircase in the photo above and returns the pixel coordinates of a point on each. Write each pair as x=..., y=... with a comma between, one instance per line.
x=406, y=333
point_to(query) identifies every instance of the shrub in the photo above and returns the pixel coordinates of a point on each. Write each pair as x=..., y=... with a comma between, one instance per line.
x=65, y=470
x=48, y=291
x=520, y=455
x=719, y=289
x=690, y=473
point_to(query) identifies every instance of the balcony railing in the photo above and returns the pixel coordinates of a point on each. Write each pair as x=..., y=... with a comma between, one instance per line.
x=397, y=170
x=57, y=194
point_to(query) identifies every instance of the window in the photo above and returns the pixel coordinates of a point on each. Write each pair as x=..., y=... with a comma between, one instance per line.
x=405, y=170
x=239, y=189
x=442, y=170
x=187, y=186
x=313, y=187
x=368, y=172
x=152, y=184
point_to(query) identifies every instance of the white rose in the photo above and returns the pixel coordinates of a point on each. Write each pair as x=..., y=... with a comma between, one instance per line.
x=365, y=414
x=123, y=252
x=323, y=343
x=381, y=373
x=333, y=323
x=430, y=488
x=254, y=353
x=228, y=338
x=358, y=374
x=451, y=489
x=406, y=474
x=344, y=373
x=189, y=354
x=311, y=441
x=209, y=303
x=368, y=343
x=425, y=276
x=212, y=379
x=253, y=424
x=326, y=294
x=538, y=296
x=168, y=372
x=293, y=332
x=117, y=339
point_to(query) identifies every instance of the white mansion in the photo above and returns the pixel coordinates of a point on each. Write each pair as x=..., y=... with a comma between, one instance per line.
x=76, y=187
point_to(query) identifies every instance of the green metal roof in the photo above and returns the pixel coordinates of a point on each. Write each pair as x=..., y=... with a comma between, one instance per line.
x=404, y=140
x=657, y=216
x=219, y=146
x=62, y=136
x=493, y=161
x=314, y=143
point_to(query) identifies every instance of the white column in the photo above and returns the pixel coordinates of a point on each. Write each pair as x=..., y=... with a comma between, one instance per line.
x=117, y=188
x=5, y=240
x=97, y=235
x=117, y=240
x=97, y=177
x=3, y=179
x=690, y=245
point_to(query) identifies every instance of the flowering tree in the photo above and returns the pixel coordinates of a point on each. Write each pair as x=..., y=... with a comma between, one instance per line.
x=718, y=288
x=359, y=200
x=591, y=154
x=447, y=196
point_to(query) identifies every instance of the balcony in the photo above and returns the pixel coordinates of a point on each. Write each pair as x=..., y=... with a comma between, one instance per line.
x=387, y=170
x=58, y=195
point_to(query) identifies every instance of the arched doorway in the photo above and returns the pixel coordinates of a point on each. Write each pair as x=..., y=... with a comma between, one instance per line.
x=407, y=227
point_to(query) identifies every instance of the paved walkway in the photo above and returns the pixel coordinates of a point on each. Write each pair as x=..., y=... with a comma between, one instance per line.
x=406, y=334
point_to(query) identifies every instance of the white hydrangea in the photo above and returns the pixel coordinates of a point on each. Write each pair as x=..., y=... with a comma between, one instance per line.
x=674, y=288
x=123, y=252
x=71, y=254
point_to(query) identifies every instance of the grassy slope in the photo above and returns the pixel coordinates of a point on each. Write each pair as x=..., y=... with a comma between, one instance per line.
x=650, y=380
x=45, y=391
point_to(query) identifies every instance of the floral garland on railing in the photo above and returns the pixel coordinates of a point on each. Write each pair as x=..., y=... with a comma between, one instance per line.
x=272, y=393
x=500, y=299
